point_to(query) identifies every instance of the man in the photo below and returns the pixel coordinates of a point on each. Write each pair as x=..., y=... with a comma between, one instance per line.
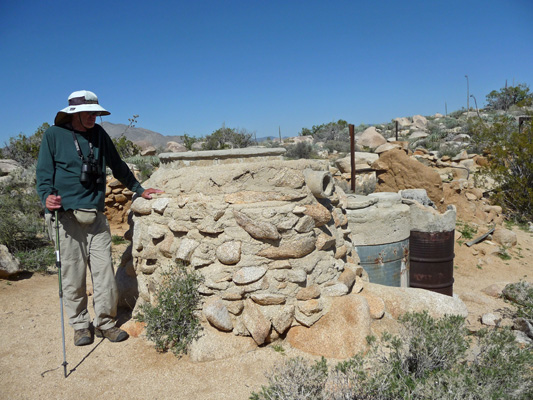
x=71, y=179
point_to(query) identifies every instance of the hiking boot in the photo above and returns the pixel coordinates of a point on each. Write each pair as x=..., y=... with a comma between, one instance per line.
x=82, y=337
x=114, y=334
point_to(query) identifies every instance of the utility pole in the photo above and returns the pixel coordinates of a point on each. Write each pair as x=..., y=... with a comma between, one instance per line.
x=279, y=129
x=467, y=96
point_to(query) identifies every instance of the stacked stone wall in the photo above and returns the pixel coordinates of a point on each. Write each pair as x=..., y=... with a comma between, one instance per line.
x=272, y=252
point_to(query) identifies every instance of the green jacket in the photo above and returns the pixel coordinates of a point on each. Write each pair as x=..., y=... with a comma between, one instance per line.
x=59, y=167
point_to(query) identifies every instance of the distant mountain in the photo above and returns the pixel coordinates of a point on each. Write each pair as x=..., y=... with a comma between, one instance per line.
x=139, y=134
x=146, y=136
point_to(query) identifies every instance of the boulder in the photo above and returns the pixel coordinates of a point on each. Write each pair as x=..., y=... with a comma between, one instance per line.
x=371, y=138
x=403, y=122
x=344, y=164
x=418, y=135
x=8, y=166
x=149, y=151
x=420, y=122
x=175, y=147
x=397, y=171
x=505, y=237
x=341, y=333
x=9, y=265
x=399, y=301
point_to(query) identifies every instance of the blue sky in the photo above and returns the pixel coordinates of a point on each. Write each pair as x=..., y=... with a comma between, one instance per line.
x=190, y=66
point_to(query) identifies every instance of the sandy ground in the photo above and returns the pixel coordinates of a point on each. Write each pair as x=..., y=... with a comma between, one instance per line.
x=31, y=351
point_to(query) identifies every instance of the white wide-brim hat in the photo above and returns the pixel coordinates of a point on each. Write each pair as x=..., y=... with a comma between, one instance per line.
x=82, y=100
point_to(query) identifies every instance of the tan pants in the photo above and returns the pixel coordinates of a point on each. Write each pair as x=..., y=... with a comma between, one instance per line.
x=82, y=246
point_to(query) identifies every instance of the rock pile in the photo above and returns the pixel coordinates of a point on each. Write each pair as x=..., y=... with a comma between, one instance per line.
x=446, y=180
x=117, y=204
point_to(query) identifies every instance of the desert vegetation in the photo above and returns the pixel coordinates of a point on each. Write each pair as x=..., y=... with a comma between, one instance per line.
x=430, y=359
x=172, y=324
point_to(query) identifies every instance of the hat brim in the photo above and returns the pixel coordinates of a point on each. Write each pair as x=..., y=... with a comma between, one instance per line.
x=63, y=116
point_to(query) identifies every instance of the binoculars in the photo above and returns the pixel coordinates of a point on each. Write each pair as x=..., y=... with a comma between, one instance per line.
x=90, y=171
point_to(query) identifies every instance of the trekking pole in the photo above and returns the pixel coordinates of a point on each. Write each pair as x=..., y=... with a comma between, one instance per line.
x=58, y=265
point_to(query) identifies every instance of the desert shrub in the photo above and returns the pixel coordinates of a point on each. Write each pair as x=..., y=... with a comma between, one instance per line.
x=295, y=379
x=188, y=141
x=508, y=96
x=145, y=165
x=21, y=222
x=172, y=324
x=340, y=146
x=457, y=114
x=300, y=150
x=450, y=123
x=125, y=147
x=520, y=294
x=430, y=359
x=37, y=259
x=226, y=138
x=24, y=149
x=20, y=209
x=326, y=132
x=445, y=149
x=510, y=163
x=433, y=141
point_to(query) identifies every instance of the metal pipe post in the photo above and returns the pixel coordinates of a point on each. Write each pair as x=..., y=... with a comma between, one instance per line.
x=352, y=157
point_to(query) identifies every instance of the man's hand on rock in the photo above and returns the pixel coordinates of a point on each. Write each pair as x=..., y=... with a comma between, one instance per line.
x=148, y=192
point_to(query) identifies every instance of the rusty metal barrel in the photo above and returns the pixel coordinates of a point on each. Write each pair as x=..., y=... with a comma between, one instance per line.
x=432, y=255
x=431, y=248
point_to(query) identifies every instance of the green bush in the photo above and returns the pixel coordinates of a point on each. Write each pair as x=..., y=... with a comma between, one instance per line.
x=226, y=138
x=300, y=150
x=325, y=132
x=508, y=96
x=431, y=359
x=23, y=149
x=20, y=211
x=21, y=223
x=125, y=147
x=188, y=141
x=510, y=163
x=37, y=259
x=173, y=322
x=340, y=146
